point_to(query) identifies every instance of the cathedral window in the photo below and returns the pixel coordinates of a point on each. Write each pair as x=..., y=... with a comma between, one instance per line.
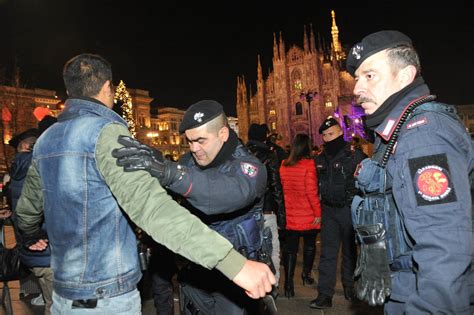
x=299, y=109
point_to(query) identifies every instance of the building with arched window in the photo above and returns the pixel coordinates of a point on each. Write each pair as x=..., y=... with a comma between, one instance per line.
x=281, y=99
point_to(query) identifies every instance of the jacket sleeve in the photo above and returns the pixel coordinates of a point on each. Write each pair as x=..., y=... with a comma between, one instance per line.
x=214, y=191
x=29, y=209
x=152, y=209
x=311, y=184
x=431, y=189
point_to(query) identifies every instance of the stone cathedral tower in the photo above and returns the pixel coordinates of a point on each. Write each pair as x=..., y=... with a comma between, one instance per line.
x=297, y=71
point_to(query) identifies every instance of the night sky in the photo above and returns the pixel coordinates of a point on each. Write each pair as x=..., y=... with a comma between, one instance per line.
x=185, y=53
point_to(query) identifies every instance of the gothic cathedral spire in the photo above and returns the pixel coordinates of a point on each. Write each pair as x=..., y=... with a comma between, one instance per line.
x=312, y=42
x=275, y=48
x=305, y=41
x=336, y=44
x=282, y=47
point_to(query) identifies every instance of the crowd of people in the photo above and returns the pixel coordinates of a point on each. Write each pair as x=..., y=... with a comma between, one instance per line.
x=233, y=212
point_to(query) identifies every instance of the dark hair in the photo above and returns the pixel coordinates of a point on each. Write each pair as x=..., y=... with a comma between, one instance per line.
x=404, y=55
x=300, y=148
x=85, y=74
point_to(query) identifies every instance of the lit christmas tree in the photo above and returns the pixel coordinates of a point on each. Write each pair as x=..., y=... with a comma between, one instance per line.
x=121, y=94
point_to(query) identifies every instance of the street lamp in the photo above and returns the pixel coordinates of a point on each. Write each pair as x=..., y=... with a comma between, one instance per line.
x=308, y=97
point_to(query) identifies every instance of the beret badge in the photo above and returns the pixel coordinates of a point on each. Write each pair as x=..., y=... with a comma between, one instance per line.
x=356, y=50
x=198, y=116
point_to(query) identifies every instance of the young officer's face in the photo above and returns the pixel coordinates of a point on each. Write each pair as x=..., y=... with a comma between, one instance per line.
x=205, y=145
x=332, y=133
x=375, y=82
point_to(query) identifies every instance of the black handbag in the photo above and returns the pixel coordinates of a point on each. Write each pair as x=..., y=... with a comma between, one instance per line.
x=10, y=269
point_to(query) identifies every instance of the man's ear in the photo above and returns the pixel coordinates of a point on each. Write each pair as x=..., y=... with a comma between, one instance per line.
x=224, y=133
x=406, y=75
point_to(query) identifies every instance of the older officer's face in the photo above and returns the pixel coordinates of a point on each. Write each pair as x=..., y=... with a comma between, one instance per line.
x=375, y=82
x=205, y=145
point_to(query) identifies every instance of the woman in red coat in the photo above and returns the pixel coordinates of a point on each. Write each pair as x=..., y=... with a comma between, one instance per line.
x=303, y=210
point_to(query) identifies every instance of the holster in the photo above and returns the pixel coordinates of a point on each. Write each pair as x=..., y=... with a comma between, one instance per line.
x=377, y=207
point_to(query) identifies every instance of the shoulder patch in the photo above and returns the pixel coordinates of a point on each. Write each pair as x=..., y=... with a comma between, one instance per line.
x=417, y=123
x=249, y=169
x=432, y=180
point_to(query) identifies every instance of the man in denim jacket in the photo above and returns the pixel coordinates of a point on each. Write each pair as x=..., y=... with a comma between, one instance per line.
x=87, y=199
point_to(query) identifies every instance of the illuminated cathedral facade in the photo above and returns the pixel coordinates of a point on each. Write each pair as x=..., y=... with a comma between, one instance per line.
x=305, y=86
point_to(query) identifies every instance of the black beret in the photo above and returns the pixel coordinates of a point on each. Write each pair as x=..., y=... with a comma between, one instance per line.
x=15, y=141
x=257, y=132
x=371, y=44
x=200, y=113
x=329, y=122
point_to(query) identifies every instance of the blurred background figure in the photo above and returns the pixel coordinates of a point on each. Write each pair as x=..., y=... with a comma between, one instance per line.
x=303, y=210
x=336, y=165
x=37, y=262
x=273, y=207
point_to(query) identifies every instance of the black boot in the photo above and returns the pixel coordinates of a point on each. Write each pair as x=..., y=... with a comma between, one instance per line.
x=289, y=263
x=321, y=302
x=308, y=260
x=349, y=293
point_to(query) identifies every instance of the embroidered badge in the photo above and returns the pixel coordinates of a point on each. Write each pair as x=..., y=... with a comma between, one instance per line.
x=417, y=123
x=249, y=169
x=198, y=116
x=432, y=180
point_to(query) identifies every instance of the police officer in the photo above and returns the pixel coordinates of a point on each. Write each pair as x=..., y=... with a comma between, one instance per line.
x=420, y=253
x=336, y=165
x=224, y=185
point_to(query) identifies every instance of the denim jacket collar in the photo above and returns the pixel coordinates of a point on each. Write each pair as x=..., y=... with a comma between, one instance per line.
x=75, y=107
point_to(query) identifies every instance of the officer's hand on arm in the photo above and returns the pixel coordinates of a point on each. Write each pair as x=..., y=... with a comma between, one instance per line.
x=255, y=278
x=135, y=156
x=133, y=147
x=372, y=271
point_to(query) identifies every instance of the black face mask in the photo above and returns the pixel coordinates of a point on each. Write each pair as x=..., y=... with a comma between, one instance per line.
x=334, y=146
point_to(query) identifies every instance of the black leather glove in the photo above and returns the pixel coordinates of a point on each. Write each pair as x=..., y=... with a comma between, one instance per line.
x=372, y=272
x=132, y=146
x=136, y=156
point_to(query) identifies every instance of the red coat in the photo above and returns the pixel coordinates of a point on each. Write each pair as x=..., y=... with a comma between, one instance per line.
x=300, y=189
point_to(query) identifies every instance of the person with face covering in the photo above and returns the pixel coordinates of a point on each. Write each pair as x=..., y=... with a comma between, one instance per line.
x=224, y=185
x=416, y=253
x=336, y=165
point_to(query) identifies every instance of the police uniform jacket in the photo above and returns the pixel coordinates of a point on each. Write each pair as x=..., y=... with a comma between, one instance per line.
x=428, y=172
x=336, y=176
x=227, y=193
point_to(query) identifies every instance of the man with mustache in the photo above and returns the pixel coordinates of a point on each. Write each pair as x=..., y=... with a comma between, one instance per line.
x=415, y=222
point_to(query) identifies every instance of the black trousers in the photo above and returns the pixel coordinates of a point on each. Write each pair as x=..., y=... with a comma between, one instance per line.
x=210, y=292
x=336, y=229
x=293, y=237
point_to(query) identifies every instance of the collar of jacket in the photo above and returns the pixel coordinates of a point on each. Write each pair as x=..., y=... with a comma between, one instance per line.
x=75, y=107
x=225, y=153
x=399, y=105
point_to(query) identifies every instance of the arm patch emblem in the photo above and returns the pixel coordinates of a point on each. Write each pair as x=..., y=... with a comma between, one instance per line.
x=249, y=169
x=432, y=180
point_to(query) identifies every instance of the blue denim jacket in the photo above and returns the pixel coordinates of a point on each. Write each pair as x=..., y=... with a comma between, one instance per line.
x=94, y=248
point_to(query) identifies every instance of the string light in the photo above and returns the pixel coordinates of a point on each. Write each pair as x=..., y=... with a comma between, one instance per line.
x=122, y=94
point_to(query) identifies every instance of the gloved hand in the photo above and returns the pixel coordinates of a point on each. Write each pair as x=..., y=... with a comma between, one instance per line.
x=136, y=156
x=373, y=272
x=132, y=146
